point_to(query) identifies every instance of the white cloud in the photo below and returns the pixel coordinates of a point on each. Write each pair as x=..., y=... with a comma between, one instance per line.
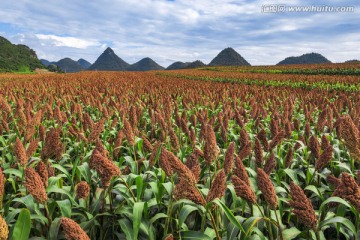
x=67, y=41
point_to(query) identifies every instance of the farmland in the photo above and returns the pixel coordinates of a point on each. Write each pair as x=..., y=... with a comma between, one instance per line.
x=213, y=153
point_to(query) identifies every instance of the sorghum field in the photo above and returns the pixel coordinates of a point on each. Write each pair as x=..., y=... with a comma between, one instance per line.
x=212, y=153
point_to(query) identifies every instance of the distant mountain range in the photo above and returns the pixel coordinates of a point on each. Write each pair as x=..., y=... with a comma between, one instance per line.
x=309, y=58
x=22, y=58
x=17, y=58
x=68, y=65
x=109, y=61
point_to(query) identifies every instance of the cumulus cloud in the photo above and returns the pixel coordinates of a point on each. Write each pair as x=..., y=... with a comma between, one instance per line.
x=67, y=41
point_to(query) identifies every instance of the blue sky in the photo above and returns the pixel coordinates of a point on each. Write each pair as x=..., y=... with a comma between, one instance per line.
x=180, y=30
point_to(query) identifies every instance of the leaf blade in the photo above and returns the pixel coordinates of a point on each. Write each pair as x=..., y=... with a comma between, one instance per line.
x=22, y=226
x=137, y=216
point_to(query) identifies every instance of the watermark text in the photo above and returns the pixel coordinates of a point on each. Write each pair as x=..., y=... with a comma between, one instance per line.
x=282, y=8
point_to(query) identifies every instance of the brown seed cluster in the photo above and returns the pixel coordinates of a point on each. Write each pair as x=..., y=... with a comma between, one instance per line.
x=82, y=190
x=4, y=230
x=187, y=190
x=96, y=131
x=351, y=135
x=324, y=142
x=172, y=164
x=349, y=190
x=333, y=180
x=321, y=120
x=229, y=158
x=270, y=164
x=267, y=188
x=194, y=165
x=240, y=171
x=72, y=230
x=258, y=153
x=42, y=133
x=32, y=147
x=211, y=150
x=289, y=157
x=244, y=138
x=20, y=152
x=300, y=140
x=324, y=159
x=4, y=106
x=314, y=146
x=245, y=145
x=41, y=169
x=174, y=139
x=274, y=127
x=262, y=137
x=217, y=189
x=118, y=143
x=243, y=190
x=35, y=186
x=50, y=169
x=146, y=143
x=53, y=147
x=22, y=121
x=165, y=164
x=129, y=133
x=276, y=140
x=104, y=167
x=302, y=207
x=307, y=130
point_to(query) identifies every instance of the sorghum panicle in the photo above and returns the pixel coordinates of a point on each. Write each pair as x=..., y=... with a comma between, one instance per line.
x=72, y=230
x=35, y=186
x=267, y=188
x=302, y=207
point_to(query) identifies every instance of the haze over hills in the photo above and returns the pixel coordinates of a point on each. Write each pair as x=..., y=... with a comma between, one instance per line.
x=17, y=57
x=109, y=61
x=229, y=57
x=308, y=58
x=145, y=64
